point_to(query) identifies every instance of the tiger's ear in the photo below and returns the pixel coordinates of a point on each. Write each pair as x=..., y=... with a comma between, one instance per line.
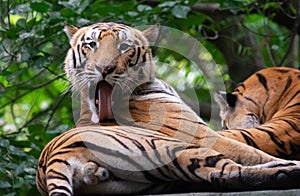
x=152, y=33
x=231, y=99
x=224, y=99
x=70, y=30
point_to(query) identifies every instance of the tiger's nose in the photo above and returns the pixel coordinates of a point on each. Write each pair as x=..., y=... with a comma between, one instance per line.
x=106, y=70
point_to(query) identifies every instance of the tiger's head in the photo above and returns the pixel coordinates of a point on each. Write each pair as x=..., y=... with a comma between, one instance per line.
x=110, y=52
x=236, y=111
x=105, y=55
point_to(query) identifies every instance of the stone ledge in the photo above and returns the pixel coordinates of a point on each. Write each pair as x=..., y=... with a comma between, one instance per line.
x=291, y=192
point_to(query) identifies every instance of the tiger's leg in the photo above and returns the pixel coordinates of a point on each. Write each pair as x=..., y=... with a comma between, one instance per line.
x=222, y=172
x=90, y=173
x=234, y=150
x=191, y=165
x=73, y=175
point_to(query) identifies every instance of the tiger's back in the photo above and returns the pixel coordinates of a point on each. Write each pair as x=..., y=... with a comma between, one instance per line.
x=265, y=111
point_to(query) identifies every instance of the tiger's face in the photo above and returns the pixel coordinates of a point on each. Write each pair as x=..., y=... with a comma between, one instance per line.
x=236, y=111
x=108, y=55
x=111, y=52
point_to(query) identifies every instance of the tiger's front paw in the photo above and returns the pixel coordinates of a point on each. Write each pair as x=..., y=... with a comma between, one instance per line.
x=93, y=174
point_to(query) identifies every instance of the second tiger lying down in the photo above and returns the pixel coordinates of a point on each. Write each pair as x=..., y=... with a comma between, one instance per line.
x=111, y=66
x=264, y=112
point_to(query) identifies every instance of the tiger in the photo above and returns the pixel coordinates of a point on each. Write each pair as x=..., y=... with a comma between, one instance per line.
x=135, y=135
x=111, y=160
x=264, y=112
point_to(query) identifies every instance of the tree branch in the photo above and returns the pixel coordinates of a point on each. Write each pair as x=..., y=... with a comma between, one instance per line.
x=293, y=34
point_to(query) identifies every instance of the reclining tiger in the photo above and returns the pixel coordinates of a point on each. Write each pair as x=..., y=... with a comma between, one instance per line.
x=264, y=110
x=135, y=135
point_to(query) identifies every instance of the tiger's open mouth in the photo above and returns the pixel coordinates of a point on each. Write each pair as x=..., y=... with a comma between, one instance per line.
x=103, y=101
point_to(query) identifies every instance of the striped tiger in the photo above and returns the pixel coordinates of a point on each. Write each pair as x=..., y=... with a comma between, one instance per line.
x=129, y=160
x=264, y=110
x=135, y=135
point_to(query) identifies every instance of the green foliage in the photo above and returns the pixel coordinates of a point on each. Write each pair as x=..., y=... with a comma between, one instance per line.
x=17, y=172
x=35, y=104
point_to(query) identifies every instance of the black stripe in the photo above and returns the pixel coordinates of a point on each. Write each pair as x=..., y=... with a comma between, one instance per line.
x=273, y=137
x=151, y=91
x=62, y=139
x=293, y=125
x=144, y=58
x=59, y=188
x=58, y=161
x=239, y=85
x=193, y=166
x=293, y=97
x=262, y=80
x=79, y=144
x=135, y=142
x=263, y=117
x=60, y=153
x=188, y=120
x=249, y=141
x=281, y=70
x=287, y=85
x=74, y=58
x=79, y=56
x=82, y=37
x=41, y=182
x=138, y=55
x=82, y=51
x=152, y=144
x=174, y=159
x=57, y=175
x=294, y=105
x=145, y=154
x=118, y=154
x=211, y=161
x=223, y=169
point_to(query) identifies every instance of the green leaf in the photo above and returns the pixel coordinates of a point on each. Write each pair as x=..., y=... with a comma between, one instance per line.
x=4, y=143
x=167, y=4
x=180, y=11
x=21, y=23
x=19, y=170
x=35, y=129
x=15, y=151
x=59, y=129
x=134, y=14
x=4, y=184
x=19, y=182
x=20, y=9
x=42, y=7
x=83, y=6
x=143, y=8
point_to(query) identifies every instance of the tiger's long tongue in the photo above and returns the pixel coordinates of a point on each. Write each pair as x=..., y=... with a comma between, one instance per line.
x=104, y=101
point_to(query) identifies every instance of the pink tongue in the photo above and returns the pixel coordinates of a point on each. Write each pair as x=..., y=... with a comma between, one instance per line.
x=104, y=104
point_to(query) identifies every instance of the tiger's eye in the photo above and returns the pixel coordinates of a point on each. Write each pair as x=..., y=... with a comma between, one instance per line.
x=124, y=46
x=92, y=44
